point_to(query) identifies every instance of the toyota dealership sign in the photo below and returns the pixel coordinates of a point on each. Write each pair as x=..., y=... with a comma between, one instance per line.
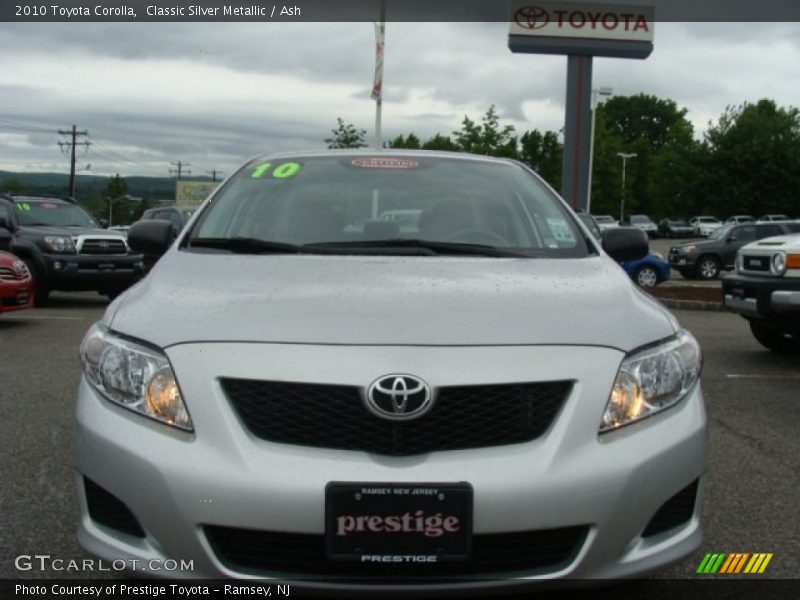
x=581, y=28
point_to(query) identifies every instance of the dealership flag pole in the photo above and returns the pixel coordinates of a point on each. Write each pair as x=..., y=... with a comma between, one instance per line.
x=377, y=86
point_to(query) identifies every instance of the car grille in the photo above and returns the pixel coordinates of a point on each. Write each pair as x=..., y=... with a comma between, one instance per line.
x=332, y=416
x=111, y=246
x=9, y=274
x=755, y=264
x=304, y=555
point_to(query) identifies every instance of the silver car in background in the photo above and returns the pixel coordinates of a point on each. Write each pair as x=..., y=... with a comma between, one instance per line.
x=304, y=389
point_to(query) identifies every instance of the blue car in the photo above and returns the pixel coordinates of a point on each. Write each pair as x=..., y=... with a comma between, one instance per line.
x=647, y=272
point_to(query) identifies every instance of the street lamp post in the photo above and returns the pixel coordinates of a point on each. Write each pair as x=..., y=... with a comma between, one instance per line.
x=603, y=91
x=625, y=156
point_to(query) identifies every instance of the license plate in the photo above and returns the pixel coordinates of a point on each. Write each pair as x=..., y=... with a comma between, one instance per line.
x=22, y=297
x=398, y=523
x=738, y=292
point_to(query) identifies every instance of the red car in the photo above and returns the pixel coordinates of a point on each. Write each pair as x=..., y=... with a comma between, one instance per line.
x=16, y=284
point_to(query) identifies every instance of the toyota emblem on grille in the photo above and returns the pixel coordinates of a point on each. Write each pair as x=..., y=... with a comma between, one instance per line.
x=399, y=397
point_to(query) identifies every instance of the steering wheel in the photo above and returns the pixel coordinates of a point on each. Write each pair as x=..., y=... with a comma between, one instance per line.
x=478, y=236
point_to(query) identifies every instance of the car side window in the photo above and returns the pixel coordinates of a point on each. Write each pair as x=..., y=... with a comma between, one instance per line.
x=175, y=218
x=746, y=233
x=767, y=231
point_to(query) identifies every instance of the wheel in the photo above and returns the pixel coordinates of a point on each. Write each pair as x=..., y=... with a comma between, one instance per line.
x=646, y=276
x=41, y=289
x=777, y=339
x=708, y=267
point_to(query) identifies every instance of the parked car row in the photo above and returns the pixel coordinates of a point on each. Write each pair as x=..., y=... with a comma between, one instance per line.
x=705, y=259
x=697, y=226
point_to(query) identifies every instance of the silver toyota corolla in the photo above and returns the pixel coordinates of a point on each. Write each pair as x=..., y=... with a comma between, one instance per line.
x=389, y=369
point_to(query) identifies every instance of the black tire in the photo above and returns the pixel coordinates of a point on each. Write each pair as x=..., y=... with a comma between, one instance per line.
x=777, y=339
x=41, y=288
x=707, y=268
x=646, y=277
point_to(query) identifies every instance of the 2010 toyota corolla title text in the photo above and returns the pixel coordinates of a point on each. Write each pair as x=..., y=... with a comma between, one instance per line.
x=390, y=370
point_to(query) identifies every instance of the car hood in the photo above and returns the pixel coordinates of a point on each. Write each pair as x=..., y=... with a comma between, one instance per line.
x=313, y=299
x=70, y=231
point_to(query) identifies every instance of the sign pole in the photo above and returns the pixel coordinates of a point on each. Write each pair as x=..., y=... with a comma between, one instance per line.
x=577, y=131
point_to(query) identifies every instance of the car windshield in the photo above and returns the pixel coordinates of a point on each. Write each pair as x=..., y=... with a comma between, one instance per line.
x=604, y=219
x=707, y=220
x=372, y=203
x=720, y=233
x=53, y=213
x=641, y=219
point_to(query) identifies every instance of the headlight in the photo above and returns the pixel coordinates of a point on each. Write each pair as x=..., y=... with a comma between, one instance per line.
x=59, y=244
x=778, y=263
x=652, y=380
x=688, y=249
x=133, y=376
x=21, y=268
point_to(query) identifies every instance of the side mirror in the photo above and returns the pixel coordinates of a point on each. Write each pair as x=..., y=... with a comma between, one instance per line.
x=151, y=238
x=5, y=238
x=625, y=243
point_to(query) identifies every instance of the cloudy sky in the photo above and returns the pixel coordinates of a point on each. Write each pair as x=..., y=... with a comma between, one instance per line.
x=215, y=94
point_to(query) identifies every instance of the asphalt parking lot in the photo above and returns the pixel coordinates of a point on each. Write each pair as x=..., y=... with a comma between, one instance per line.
x=751, y=394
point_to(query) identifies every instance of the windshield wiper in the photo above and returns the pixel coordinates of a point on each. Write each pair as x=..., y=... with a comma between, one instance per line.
x=431, y=247
x=245, y=245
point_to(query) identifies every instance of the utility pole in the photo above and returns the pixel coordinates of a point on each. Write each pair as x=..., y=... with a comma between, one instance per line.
x=180, y=167
x=74, y=134
x=214, y=173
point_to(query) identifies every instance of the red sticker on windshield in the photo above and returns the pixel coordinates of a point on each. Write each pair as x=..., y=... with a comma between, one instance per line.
x=384, y=163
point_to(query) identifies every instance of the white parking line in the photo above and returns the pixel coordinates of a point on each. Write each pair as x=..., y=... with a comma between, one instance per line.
x=760, y=376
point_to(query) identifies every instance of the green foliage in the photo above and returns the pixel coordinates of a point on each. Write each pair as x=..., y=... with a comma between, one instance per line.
x=488, y=138
x=752, y=160
x=116, y=187
x=662, y=179
x=440, y=142
x=411, y=142
x=543, y=153
x=345, y=135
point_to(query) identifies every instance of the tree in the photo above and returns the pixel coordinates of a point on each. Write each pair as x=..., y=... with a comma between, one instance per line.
x=12, y=186
x=543, y=153
x=752, y=159
x=440, y=142
x=487, y=138
x=411, y=142
x=116, y=188
x=346, y=136
x=662, y=137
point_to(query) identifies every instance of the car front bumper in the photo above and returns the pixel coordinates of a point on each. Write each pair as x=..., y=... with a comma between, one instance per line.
x=16, y=295
x=88, y=272
x=763, y=297
x=175, y=483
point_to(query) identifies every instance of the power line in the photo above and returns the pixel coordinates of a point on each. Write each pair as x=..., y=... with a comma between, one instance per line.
x=74, y=135
x=12, y=124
